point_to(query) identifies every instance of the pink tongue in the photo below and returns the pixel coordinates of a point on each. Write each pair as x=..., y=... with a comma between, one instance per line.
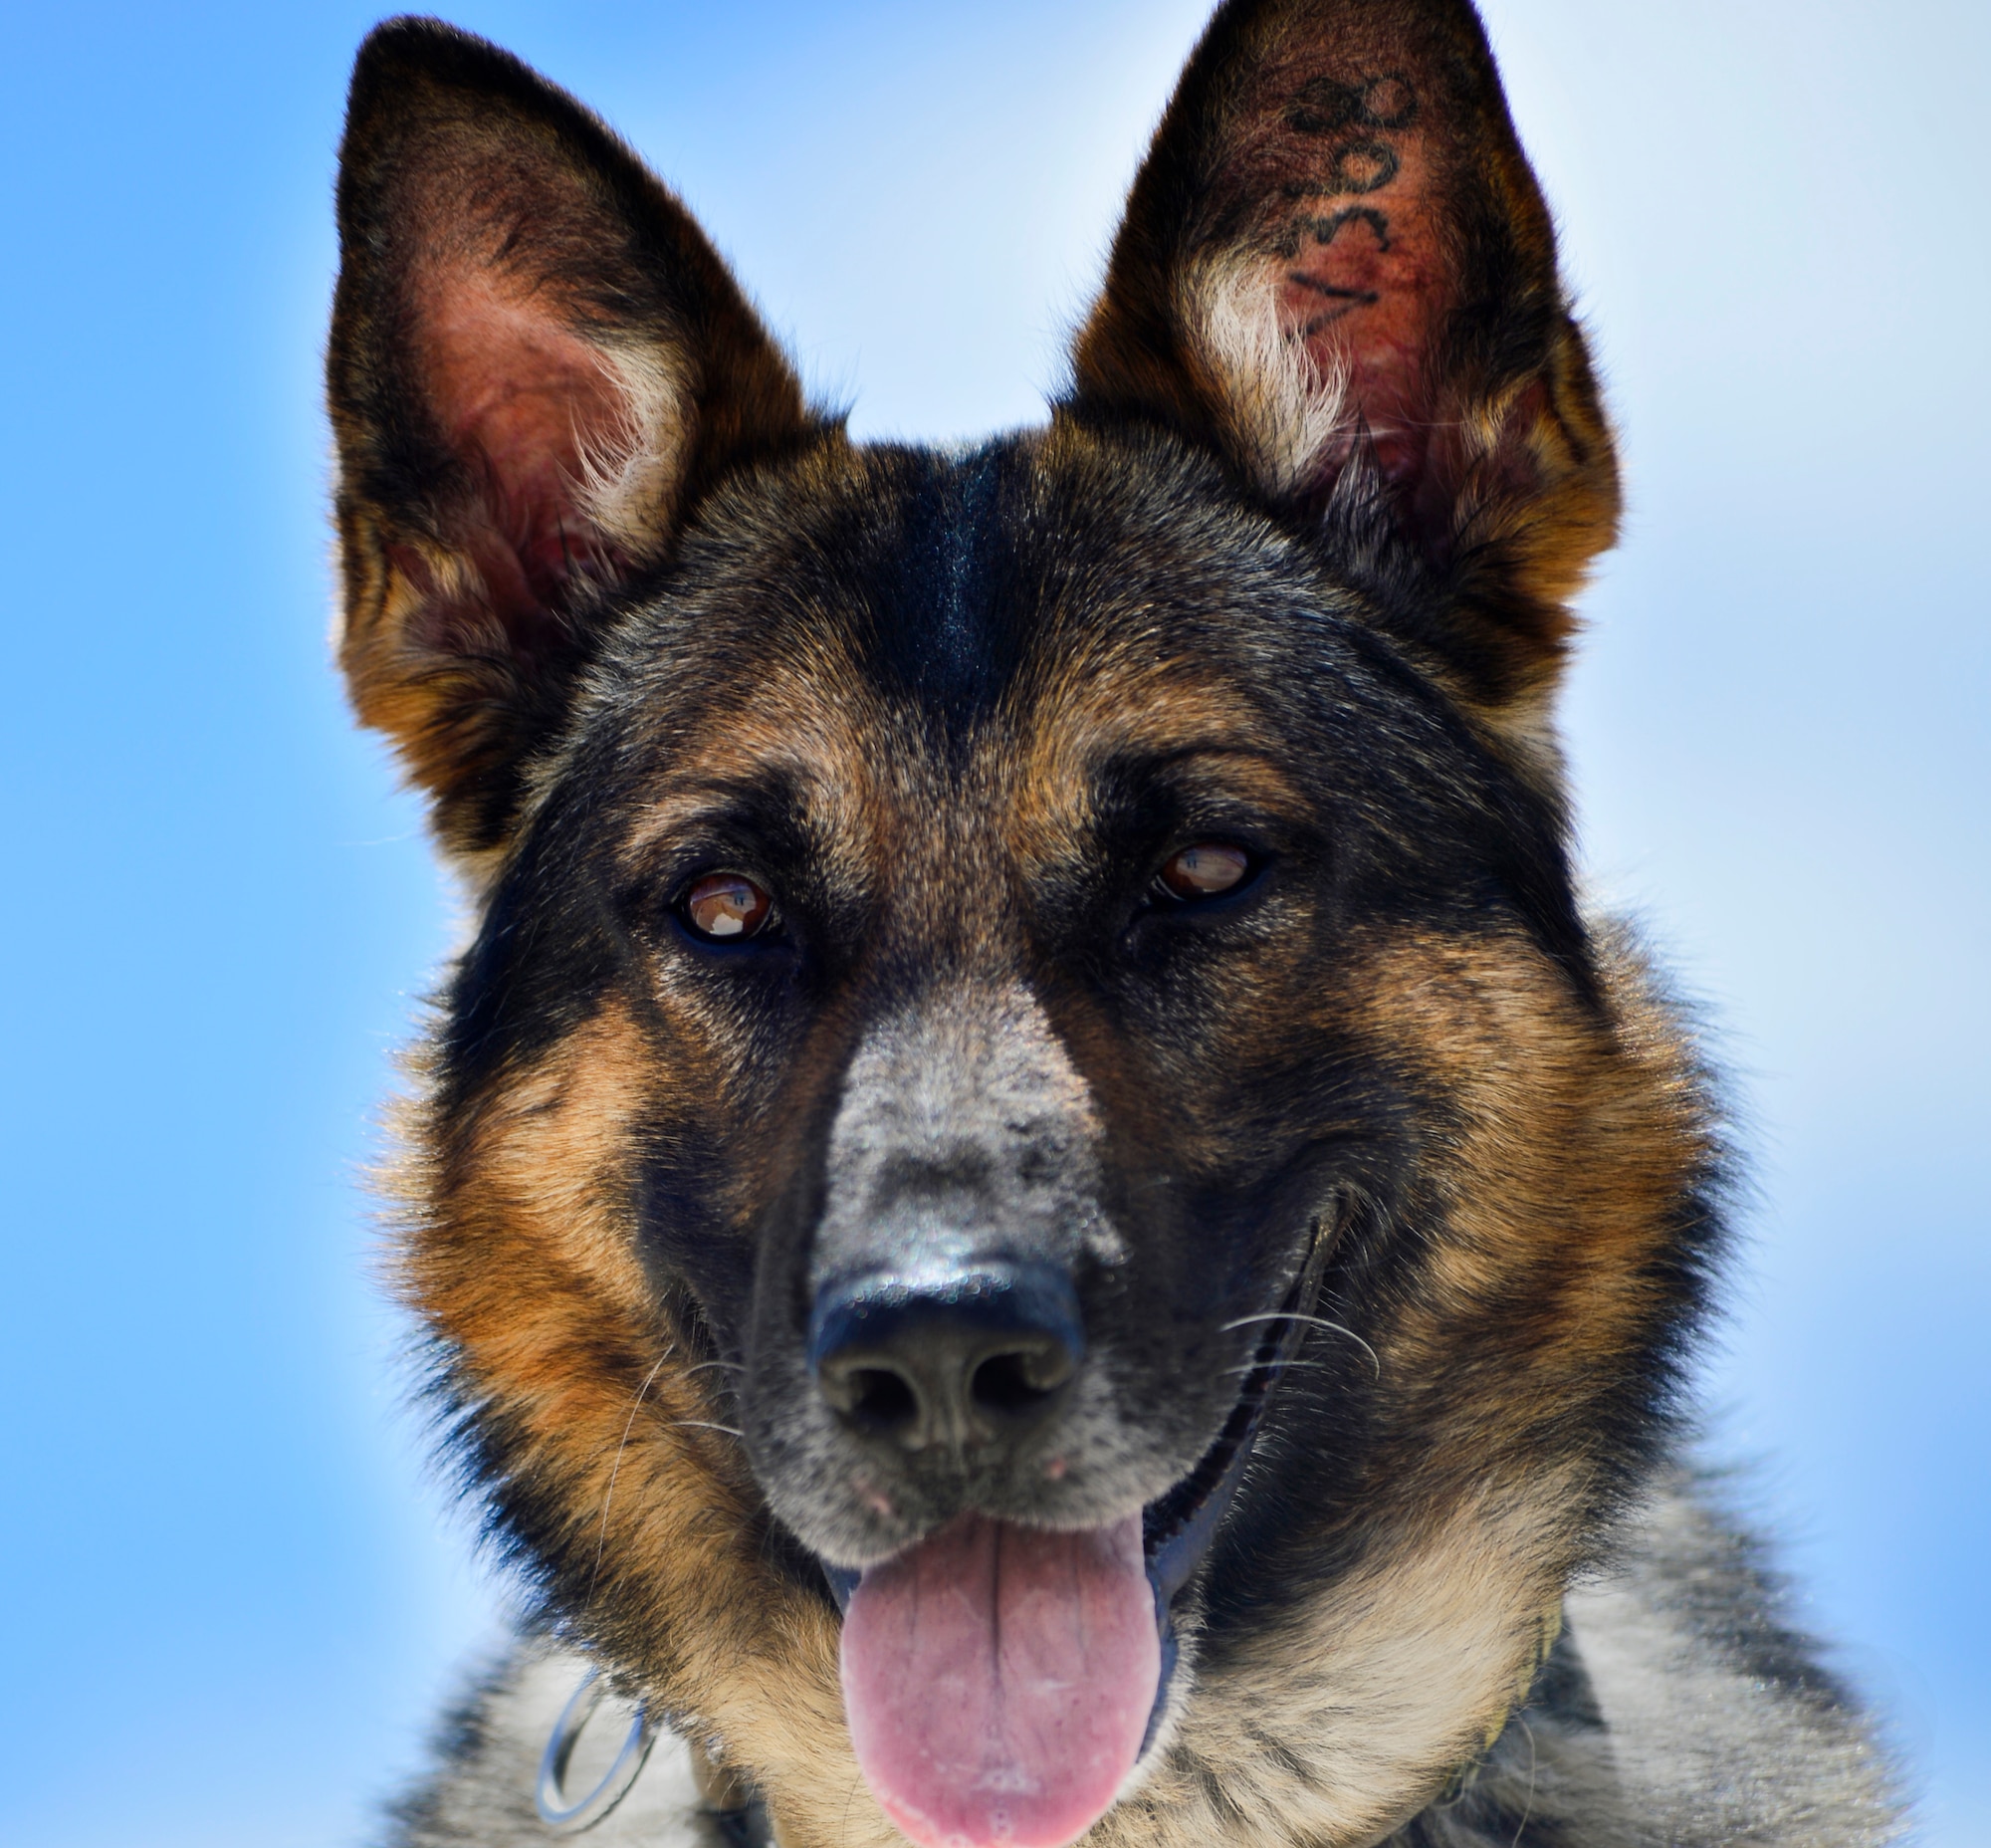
x=999, y=1680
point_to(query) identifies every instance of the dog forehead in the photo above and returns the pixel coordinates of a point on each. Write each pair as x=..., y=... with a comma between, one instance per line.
x=998, y=614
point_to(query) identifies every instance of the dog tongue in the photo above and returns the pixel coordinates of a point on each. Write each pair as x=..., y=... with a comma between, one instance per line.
x=999, y=1680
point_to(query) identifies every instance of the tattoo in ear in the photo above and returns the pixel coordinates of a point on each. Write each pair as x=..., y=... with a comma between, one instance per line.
x=1326, y=105
x=1361, y=164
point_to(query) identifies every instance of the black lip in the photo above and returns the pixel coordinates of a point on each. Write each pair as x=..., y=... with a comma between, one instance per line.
x=1178, y=1529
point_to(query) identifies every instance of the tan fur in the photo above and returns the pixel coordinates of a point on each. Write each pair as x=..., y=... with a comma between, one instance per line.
x=1331, y=1734
x=524, y=1265
x=1577, y=1140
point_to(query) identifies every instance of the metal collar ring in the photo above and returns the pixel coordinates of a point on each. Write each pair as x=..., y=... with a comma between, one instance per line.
x=550, y=1798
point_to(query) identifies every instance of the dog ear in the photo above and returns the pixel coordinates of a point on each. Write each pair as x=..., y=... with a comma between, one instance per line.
x=537, y=364
x=1337, y=269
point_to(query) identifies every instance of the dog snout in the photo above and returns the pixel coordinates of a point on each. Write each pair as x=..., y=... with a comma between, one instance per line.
x=977, y=1357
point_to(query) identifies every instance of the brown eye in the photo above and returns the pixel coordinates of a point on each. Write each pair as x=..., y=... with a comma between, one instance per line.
x=1208, y=869
x=727, y=907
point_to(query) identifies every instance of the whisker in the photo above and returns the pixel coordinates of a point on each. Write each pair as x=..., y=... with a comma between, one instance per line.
x=1527, y=1808
x=1317, y=1321
x=699, y=1424
x=615, y=1468
x=1278, y=1316
x=1292, y=1366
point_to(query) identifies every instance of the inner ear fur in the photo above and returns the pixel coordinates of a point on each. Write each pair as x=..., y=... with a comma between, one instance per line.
x=538, y=365
x=1336, y=268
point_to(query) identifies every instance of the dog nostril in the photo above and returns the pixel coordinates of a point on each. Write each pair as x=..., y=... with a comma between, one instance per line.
x=1009, y=1385
x=881, y=1400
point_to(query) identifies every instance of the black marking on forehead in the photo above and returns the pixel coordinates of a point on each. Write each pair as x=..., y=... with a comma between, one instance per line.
x=949, y=624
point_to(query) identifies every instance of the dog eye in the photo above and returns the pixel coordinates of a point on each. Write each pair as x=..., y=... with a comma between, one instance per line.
x=1208, y=869
x=726, y=907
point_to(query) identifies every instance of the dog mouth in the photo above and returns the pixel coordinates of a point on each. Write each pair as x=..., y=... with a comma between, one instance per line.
x=1002, y=1682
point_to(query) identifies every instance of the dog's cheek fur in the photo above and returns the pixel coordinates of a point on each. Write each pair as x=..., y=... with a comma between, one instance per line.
x=1575, y=1198
x=583, y=1414
x=1528, y=1340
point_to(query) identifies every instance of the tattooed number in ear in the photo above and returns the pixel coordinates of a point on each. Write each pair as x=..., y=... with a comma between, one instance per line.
x=1327, y=106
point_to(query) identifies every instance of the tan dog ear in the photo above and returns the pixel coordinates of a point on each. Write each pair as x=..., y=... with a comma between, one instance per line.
x=1337, y=269
x=537, y=364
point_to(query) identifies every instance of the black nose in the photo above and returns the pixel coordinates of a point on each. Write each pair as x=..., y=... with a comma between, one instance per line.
x=977, y=1356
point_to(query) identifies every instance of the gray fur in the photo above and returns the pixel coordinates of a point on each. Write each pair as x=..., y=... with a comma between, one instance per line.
x=964, y=1133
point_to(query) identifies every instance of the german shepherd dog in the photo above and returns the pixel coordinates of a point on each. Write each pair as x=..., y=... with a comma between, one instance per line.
x=1037, y=1210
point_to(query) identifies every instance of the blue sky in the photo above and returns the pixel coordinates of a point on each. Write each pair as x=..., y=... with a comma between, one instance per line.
x=235, y=1595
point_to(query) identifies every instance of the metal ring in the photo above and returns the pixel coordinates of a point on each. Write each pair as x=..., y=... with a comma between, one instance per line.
x=566, y=1818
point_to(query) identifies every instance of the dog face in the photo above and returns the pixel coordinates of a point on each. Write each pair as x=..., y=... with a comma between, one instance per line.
x=1029, y=1051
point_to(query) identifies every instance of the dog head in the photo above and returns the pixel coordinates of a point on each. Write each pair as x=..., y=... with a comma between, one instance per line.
x=1029, y=1065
